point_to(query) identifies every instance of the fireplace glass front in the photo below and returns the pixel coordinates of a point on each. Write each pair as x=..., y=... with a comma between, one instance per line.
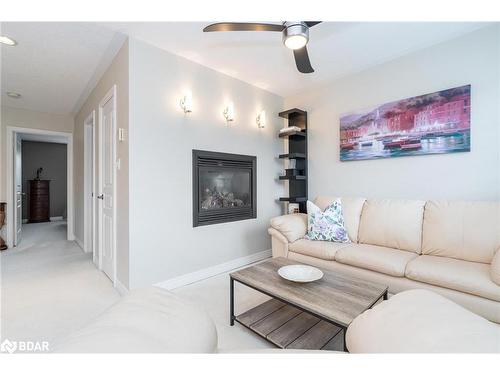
x=223, y=187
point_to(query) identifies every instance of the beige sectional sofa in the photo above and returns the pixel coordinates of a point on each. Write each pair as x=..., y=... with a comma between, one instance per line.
x=451, y=248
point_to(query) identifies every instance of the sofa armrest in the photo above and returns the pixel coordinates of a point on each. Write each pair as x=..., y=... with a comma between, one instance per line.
x=279, y=243
x=293, y=226
x=495, y=268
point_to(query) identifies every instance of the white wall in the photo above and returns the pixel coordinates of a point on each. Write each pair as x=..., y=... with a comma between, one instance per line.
x=27, y=119
x=471, y=59
x=116, y=74
x=163, y=242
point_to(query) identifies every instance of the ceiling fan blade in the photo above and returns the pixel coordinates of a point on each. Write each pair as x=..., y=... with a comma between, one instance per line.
x=302, y=60
x=311, y=23
x=243, y=26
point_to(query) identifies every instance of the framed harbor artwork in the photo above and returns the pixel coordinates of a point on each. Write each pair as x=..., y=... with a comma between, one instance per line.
x=436, y=123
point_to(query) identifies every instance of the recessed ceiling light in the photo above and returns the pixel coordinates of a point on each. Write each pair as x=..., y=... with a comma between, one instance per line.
x=4, y=39
x=14, y=95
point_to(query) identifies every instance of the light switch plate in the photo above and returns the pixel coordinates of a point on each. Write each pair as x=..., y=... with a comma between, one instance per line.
x=121, y=134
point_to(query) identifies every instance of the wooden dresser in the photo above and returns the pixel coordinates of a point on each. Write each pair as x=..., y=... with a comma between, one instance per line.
x=39, y=201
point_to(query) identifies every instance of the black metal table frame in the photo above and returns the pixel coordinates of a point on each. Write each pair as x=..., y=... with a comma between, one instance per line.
x=342, y=326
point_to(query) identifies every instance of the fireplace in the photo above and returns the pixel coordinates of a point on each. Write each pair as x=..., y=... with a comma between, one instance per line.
x=224, y=187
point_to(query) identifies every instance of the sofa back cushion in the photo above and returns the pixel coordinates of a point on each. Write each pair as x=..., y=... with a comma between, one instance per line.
x=462, y=230
x=351, y=210
x=392, y=223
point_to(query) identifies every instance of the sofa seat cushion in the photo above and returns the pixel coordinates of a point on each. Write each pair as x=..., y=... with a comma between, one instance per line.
x=420, y=321
x=376, y=258
x=150, y=320
x=461, y=275
x=319, y=249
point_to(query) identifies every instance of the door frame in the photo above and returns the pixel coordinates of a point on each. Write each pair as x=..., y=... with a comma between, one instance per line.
x=89, y=171
x=11, y=132
x=17, y=143
x=110, y=95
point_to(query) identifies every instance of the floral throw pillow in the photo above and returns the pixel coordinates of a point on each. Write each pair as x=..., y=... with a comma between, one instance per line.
x=326, y=225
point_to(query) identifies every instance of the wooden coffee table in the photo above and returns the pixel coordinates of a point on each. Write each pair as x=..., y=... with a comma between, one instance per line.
x=303, y=315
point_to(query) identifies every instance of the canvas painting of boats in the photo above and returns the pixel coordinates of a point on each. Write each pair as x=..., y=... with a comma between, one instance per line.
x=434, y=123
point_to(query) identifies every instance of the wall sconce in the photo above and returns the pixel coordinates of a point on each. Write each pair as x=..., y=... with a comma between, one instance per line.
x=261, y=119
x=228, y=112
x=187, y=102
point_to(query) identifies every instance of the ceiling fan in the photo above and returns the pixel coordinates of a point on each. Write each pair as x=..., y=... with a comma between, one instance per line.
x=295, y=36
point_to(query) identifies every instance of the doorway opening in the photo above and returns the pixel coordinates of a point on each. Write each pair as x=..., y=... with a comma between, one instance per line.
x=39, y=181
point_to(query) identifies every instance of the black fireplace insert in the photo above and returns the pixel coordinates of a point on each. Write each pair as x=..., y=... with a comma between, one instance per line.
x=224, y=187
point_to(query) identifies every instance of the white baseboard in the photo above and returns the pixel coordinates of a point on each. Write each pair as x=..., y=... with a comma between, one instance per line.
x=52, y=218
x=122, y=289
x=79, y=243
x=205, y=273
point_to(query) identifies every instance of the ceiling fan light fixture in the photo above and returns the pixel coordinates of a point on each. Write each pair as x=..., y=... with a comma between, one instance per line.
x=295, y=35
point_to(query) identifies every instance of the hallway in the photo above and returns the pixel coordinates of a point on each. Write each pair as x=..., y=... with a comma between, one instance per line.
x=49, y=286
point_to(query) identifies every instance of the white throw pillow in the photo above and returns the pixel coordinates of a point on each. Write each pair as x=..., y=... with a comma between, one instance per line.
x=326, y=225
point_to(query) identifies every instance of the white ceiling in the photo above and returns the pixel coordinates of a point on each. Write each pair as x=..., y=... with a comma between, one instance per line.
x=55, y=65
x=336, y=48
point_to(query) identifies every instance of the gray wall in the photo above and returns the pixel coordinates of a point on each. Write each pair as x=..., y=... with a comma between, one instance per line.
x=116, y=74
x=163, y=242
x=52, y=158
x=470, y=59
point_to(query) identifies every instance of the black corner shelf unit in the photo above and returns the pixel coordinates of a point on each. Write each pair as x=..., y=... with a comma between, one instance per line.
x=297, y=150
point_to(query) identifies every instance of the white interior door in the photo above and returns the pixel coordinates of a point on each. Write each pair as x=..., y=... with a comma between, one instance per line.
x=107, y=185
x=18, y=191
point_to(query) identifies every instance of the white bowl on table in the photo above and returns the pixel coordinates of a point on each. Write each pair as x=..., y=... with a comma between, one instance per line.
x=300, y=273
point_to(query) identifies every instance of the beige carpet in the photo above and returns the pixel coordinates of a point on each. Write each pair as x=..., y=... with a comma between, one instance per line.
x=213, y=295
x=49, y=287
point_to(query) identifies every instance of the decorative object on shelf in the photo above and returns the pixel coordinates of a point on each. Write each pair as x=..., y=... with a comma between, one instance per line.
x=296, y=158
x=290, y=129
x=261, y=119
x=39, y=174
x=39, y=198
x=293, y=172
x=300, y=273
x=436, y=123
x=228, y=112
x=293, y=208
x=186, y=102
x=3, y=205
